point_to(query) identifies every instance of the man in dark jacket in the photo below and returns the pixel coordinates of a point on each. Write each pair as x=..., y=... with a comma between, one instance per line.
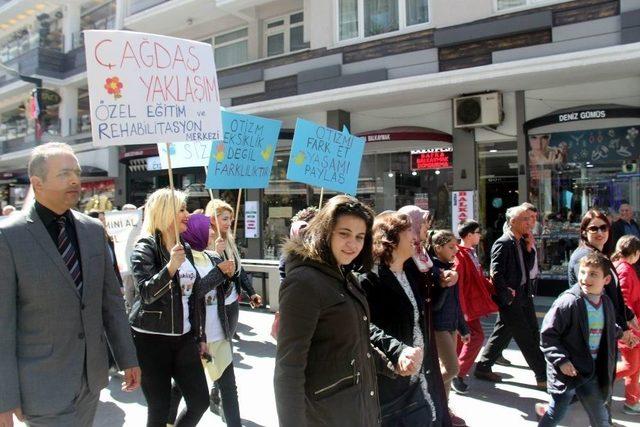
x=579, y=342
x=510, y=268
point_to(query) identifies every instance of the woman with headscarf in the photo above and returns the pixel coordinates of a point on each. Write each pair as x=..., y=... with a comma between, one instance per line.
x=216, y=347
x=419, y=265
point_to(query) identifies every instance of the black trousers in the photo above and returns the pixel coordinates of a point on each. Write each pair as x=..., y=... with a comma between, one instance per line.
x=162, y=358
x=224, y=386
x=519, y=321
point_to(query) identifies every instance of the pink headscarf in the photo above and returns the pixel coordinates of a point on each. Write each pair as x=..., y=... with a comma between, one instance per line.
x=296, y=227
x=417, y=216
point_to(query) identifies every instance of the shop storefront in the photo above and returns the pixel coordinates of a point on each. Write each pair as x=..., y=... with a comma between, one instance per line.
x=582, y=158
x=388, y=180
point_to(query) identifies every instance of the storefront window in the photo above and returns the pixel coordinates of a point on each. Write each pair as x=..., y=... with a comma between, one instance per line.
x=572, y=172
x=386, y=182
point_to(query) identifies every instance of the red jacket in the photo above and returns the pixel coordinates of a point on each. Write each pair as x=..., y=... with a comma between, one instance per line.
x=630, y=287
x=475, y=289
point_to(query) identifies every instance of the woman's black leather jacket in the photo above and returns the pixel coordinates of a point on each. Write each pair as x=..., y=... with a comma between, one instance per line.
x=158, y=298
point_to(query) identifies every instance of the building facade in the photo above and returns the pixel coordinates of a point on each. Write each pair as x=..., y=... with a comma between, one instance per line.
x=565, y=72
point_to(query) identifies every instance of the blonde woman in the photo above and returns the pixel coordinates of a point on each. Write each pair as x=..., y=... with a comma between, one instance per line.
x=168, y=310
x=224, y=246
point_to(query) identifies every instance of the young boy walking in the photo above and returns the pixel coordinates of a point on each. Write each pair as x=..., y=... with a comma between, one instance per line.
x=578, y=339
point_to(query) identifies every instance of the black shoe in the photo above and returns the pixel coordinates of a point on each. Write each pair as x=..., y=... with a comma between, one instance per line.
x=459, y=386
x=214, y=401
x=487, y=375
x=502, y=361
x=236, y=337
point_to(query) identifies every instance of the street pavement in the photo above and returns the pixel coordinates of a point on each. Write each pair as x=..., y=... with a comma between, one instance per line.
x=509, y=404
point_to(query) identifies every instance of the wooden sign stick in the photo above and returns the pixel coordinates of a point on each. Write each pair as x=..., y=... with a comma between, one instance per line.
x=321, y=197
x=235, y=223
x=173, y=194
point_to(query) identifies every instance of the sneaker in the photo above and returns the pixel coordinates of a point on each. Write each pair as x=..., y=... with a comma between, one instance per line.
x=456, y=421
x=487, y=375
x=459, y=386
x=541, y=409
x=631, y=409
x=502, y=361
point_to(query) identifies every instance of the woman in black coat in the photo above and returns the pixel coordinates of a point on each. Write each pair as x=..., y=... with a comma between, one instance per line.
x=397, y=307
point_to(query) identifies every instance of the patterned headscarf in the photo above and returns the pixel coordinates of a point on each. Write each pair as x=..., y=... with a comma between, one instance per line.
x=197, y=233
x=417, y=216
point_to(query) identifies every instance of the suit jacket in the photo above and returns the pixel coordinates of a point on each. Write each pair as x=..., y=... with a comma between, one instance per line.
x=506, y=271
x=51, y=335
x=617, y=230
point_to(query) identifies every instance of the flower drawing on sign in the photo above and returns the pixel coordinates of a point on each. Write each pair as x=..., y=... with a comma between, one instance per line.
x=220, y=152
x=172, y=149
x=266, y=153
x=113, y=86
x=299, y=159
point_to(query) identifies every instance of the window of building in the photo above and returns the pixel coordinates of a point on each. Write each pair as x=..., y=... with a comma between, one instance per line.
x=231, y=48
x=95, y=16
x=510, y=4
x=284, y=34
x=366, y=18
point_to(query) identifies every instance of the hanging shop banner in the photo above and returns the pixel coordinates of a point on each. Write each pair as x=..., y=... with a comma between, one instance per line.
x=185, y=154
x=244, y=158
x=124, y=228
x=251, y=226
x=609, y=145
x=325, y=157
x=146, y=88
x=462, y=208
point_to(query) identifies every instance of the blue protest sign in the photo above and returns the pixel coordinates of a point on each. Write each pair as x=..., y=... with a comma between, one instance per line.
x=245, y=157
x=325, y=157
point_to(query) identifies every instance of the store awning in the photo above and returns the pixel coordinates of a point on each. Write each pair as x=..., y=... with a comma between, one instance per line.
x=585, y=66
x=404, y=138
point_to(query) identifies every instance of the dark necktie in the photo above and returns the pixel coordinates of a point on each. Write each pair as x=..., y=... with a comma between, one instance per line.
x=69, y=254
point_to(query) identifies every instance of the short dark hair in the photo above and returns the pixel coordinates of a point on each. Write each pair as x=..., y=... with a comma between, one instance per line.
x=386, y=235
x=467, y=227
x=597, y=260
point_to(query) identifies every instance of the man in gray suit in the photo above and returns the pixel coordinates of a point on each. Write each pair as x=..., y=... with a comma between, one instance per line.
x=58, y=297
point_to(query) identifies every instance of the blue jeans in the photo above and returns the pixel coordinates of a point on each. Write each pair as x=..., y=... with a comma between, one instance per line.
x=591, y=399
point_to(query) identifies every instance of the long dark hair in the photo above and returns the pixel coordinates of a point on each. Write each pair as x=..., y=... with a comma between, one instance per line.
x=316, y=238
x=586, y=219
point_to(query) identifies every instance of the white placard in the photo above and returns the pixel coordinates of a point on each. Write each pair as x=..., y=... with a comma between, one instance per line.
x=462, y=208
x=146, y=88
x=124, y=227
x=186, y=154
x=251, y=225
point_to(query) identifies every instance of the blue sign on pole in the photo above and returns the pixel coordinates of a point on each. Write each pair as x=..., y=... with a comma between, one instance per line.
x=245, y=157
x=325, y=157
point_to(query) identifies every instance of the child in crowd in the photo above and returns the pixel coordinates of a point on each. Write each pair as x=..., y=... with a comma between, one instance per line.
x=475, y=299
x=578, y=339
x=626, y=255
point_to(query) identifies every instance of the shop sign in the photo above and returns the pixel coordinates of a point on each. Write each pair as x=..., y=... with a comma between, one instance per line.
x=244, y=158
x=251, y=227
x=49, y=97
x=436, y=159
x=146, y=88
x=124, y=228
x=379, y=137
x=462, y=207
x=325, y=157
x=582, y=115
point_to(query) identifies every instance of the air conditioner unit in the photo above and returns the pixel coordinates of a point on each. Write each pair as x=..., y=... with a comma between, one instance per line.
x=477, y=110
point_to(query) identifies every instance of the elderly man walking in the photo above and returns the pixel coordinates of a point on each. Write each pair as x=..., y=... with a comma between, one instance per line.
x=510, y=273
x=58, y=297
